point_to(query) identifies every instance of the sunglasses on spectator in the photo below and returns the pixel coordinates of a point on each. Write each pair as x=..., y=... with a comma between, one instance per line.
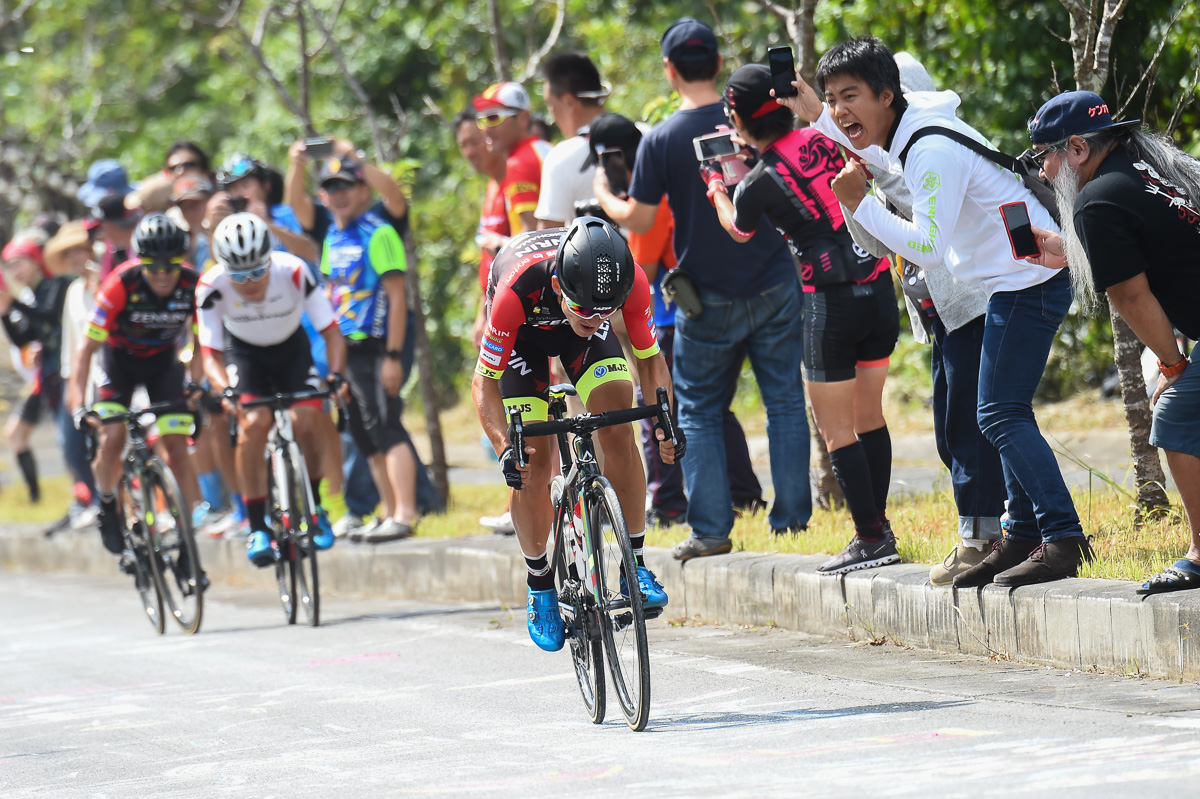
x=184, y=166
x=162, y=266
x=495, y=118
x=1038, y=157
x=255, y=274
x=589, y=313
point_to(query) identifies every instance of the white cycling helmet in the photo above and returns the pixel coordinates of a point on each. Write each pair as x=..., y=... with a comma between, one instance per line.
x=241, y=242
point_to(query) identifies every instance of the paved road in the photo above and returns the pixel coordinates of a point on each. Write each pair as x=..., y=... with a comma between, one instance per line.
x=400, y=698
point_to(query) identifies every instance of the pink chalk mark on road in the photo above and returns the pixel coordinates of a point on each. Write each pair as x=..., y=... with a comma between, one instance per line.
x=342, y=661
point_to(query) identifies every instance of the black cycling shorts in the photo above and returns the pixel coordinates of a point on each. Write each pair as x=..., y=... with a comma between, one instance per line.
x=588, y=362
x=279, y=369
x=376, y=417
x=121, y=373
x=848, y=326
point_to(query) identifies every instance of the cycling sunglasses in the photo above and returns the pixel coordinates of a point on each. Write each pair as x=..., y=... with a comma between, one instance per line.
x=162, y=266
x=495, y=118
x=245, y=276
x=589, y=313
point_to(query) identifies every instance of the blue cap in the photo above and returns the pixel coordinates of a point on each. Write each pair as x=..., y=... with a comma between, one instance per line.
x=105, y=177
x=1072, y=114
x=688, y=39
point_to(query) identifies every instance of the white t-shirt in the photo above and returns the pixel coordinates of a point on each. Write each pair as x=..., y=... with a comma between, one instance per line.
x=76, y=308
x=562, y=182
x=292, y=291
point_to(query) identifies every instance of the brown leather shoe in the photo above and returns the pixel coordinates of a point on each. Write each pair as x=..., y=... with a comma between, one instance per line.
x=1054, y=560
x=1006, y=553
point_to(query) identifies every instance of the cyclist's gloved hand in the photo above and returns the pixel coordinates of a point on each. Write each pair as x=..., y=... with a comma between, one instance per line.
x=681, y=441
x=710, y=172
x=335, y=381
x=508, y=465
x=80, y=416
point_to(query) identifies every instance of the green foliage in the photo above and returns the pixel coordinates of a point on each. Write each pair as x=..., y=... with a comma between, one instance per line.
x=111, y=78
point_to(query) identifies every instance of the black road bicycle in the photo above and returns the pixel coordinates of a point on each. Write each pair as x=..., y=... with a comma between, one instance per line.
x=292, y=507
x=157, y=526
x=594, y=566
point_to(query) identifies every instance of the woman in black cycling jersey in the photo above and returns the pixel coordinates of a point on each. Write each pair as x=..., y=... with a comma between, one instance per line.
x=851, y=318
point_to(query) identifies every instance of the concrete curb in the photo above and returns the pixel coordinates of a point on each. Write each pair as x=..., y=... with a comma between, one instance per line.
x=1085, y=624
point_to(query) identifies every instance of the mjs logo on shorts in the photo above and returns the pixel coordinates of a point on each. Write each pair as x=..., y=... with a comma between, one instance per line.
x=601, y=371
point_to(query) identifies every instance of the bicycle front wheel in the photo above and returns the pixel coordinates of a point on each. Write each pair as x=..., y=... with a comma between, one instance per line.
x=285, y=577
x=302, y=552
x=622, y=619
x=135, y=543
x=176, y=562
x=580, y=616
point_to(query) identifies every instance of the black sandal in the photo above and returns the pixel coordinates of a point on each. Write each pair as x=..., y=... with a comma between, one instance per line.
x=1171, y=579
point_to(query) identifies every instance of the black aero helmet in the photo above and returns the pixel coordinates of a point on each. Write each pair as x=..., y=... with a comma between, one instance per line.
x=594, y=265
x=158, y=237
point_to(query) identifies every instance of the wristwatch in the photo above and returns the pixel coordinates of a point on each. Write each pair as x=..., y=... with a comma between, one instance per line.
x=1175, y=368
x=395, y=355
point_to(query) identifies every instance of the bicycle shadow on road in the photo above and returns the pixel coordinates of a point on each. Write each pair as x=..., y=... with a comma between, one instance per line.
x=403, y=614
x=716, y=720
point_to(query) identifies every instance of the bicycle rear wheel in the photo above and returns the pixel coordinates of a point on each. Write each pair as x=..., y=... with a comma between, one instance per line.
x=176, y=562
x=302, y=552
x=580, y=618
x=622, y=618
x=135, y=543
x=285, y=576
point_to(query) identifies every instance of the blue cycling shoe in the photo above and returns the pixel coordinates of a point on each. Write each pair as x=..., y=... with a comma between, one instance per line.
x=651, y=588
x=259, y=549
x=323, y=539
x=545, y=622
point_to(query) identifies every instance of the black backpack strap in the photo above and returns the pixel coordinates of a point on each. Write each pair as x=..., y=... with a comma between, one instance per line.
x=996, y=157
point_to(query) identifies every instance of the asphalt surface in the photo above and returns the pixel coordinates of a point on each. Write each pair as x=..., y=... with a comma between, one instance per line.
x=391, y=698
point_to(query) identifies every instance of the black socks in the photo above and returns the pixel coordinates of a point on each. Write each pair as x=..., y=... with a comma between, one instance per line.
x=877, y=444
x=29, y=472
x=853, y=474
x=541, y=576
x=256, y=513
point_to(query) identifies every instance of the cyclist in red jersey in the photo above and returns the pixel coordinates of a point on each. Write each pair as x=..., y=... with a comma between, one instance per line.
x=550, y=294
x=143, y=311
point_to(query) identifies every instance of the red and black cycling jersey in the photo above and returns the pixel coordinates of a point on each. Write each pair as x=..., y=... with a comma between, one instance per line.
x=129, y=316
x=790, y=184
x=520, y=295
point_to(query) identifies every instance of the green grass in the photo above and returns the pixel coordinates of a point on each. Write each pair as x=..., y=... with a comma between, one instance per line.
x=925, y=526
x=15, y=507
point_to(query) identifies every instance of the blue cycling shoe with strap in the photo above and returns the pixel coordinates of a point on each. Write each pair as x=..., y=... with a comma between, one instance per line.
x=655, y=595
x=323, y=538
x=259, y=549
x=545, y=621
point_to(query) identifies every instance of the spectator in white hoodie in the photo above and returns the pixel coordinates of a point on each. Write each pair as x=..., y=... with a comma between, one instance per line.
x=956, y=195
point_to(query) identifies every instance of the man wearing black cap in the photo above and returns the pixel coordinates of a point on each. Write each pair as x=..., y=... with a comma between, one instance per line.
x=364, y=259
x=1133, y=202
x=751, y=299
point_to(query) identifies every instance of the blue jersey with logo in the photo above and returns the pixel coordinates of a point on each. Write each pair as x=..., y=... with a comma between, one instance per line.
x=355, y=260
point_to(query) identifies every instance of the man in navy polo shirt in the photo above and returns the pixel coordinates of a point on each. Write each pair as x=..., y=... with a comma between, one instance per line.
x=751, y=298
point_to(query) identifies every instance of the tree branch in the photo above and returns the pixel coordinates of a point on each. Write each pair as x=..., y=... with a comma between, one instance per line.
x=333, y=20
x=364, y=101
x=1146, y=73
x=535, y=61
x=1113, y=10
x=1184, y=98
x=499, y=62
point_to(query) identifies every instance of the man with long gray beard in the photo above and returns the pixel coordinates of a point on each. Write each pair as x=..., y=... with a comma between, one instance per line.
x=1134, y=201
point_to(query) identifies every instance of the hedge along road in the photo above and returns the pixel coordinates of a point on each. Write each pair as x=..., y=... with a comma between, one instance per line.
x=389, y=698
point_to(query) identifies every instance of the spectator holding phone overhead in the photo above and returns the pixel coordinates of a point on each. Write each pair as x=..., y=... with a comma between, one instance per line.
x=851, y=321
x=957, y=193
x=1131, y=214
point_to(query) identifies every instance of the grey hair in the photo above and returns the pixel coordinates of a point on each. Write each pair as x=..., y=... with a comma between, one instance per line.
x=1173, y=165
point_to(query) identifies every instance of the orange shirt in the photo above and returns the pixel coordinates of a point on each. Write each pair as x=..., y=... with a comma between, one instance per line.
x=657, y=245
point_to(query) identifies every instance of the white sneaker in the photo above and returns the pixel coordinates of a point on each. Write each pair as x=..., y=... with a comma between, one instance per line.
x=82, y=518
x=500, y=525
x=352, y=523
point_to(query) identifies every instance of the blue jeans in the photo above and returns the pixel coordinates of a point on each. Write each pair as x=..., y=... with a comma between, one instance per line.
x=770, y=327
x=976, y=473
x=1018, y=331
x=75, y=451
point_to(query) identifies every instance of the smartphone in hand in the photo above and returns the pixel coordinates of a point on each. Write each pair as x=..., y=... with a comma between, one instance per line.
x=321, y=147
x=1020, y=231
x=783, y=71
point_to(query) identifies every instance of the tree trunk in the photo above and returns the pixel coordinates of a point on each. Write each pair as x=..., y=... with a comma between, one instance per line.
x=433, y=422
x=1147, y=467
x=806, y=41
x=827, y=494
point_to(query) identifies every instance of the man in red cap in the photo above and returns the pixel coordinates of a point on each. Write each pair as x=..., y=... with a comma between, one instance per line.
x=503, y=116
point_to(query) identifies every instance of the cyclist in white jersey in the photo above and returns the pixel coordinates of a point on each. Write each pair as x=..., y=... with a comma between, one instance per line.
x=249, y=307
